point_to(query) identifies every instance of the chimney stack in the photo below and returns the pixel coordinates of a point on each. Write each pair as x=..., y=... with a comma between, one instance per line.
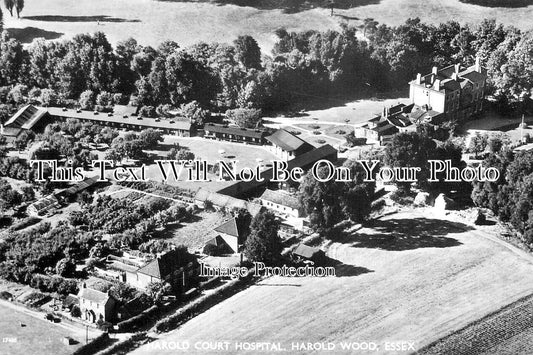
x=454, y=76
x=435, y=70
x=478, y=65
x=437, y=84
x=418, y=78
x=457, y=67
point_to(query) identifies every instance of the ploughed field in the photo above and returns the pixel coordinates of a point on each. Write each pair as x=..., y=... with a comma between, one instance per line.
x=412, y=276
x=186, y=22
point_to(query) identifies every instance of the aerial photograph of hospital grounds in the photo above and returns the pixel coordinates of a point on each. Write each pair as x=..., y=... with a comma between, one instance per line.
x=144, y=263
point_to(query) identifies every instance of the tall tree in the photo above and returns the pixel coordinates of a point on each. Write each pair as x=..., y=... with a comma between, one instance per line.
x=320, y=201
x=248, y=52
x=263, y=244
x=410, y=149
x=19, y=5
x=9, y=6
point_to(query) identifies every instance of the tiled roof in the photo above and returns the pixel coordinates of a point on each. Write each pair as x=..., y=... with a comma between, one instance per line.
x=280, y=198
x=230, y=227
x=93, y=295
x=287, y=141
x=166, y=264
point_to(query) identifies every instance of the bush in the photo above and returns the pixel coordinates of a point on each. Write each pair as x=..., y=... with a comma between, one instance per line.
x=75, y=311
x=211, y=250
x=148, y=111
x=54, y=284
x=98, y=343
x=314, y=126
x=26, y=222
x=317, y=132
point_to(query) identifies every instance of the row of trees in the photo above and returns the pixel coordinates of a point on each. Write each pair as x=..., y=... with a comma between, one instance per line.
x=304, y=66
x=511, y=197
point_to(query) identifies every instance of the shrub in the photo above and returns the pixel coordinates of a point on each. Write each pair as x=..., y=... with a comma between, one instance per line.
x=75, y=311
x=211, y=250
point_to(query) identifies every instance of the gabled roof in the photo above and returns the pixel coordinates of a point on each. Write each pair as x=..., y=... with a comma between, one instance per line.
x=166, y=264
x=230, y=227
x=306, y=251
x=93, y=295
x=26, y=117
x=280, y=198
x=305, y=160
x=288, y=141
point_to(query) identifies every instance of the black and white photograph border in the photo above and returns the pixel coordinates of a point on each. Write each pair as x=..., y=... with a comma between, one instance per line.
x=266, y=176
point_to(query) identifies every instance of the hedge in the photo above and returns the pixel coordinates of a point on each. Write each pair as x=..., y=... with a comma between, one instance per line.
x=124, y=346
x=93, y=346
x=139, y=321
x=200, y=305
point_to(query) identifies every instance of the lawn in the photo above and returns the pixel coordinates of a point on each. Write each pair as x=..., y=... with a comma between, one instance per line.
x=194, y=234
x=413, y=277
x=152, y=22
x=210, y=151
x=36, y=336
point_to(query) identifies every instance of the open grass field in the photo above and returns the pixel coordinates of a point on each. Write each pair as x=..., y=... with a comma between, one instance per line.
x=186, y=22
x=37, y=336
x=208, y=150
x=412, y=276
